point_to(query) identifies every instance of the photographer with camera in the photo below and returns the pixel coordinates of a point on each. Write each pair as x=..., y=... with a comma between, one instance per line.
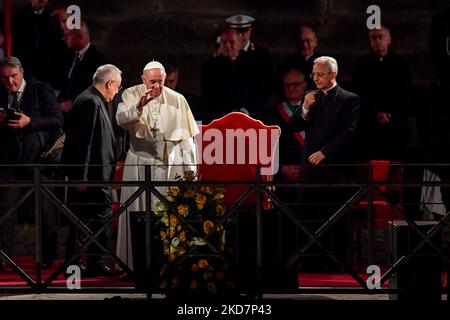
x=27, y=109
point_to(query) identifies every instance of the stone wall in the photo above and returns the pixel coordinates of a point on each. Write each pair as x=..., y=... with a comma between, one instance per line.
x=132, y=32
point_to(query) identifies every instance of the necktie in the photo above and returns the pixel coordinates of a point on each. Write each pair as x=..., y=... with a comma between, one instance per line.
x=76, y=62
x=15, y=100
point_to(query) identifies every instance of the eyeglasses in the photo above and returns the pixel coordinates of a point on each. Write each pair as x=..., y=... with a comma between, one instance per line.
x=318, y=74
x=118, y=87
x=293, y=84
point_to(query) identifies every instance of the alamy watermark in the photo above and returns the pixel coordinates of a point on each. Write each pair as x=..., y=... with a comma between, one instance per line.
x=74, y=18
x=74, y=277
x=374, y=20
x=252, y=146
x=373, y=281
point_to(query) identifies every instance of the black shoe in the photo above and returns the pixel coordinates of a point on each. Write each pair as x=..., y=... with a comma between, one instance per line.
x=101, y=271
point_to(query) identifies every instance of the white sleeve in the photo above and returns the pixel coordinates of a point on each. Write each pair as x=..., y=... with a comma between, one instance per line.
x=127, y=112
x=189, y=155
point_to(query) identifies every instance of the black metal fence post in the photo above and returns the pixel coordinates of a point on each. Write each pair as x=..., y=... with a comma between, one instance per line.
x=38, y=225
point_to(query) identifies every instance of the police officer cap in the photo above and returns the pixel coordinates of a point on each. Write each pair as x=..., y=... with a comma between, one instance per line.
x=240, y=21
x=153, y=65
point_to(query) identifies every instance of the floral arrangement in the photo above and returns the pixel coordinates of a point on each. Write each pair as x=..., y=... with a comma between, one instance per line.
x=193, y=236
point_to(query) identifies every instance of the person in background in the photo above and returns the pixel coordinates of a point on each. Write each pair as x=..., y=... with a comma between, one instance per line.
x=28, y=110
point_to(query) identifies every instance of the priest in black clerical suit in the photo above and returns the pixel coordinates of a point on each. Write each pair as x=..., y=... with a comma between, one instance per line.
x=330, y=117
x=90, y=144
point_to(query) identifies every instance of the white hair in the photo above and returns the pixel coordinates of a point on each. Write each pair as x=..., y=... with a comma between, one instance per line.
x=331, y=62
x=106, y=73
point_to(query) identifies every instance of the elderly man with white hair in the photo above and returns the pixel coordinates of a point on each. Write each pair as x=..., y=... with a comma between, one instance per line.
x=90, y=144
x=161, y=128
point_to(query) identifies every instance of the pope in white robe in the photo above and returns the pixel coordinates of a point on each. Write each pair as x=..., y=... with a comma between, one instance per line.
x=161, y=128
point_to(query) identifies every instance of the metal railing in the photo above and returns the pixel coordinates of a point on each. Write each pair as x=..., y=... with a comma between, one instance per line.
x=368, y=190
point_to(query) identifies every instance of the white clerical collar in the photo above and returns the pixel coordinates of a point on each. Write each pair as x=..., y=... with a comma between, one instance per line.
x=330, y=88
x=82, y=52
x=247, y=45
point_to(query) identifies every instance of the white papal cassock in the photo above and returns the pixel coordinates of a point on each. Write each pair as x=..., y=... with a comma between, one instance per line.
x=161, y=136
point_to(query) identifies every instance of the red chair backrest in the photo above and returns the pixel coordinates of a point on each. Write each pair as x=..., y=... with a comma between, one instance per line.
x=231, y=148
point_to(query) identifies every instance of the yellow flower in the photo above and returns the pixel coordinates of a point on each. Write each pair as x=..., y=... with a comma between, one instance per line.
x=207, y=225
x=220, y=210
x=173, y=220
x=160, y=207
x=172, y=232
x=182, y=210
x=218, y=196
x=166, y=247
x=175, y=242
x=199, y=206
x=174, y=191
x=198, y=241
x=203, y=263
x=200, y=199
x=170, y=199
x=165, y=220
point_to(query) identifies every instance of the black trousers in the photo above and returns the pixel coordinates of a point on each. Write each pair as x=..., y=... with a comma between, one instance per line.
x=9, y=196
x=93, y=207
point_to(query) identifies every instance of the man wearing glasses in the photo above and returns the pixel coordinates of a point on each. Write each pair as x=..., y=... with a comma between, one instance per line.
x=330, y=117
x=90, y=149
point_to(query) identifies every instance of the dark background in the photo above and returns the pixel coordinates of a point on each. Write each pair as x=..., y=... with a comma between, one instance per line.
x=132, y=32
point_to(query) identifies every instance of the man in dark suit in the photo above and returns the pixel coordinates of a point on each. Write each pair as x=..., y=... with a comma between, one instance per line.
x=303, y=59
x=35, y=40
x=90, y=144
x=27, y=110
x=383, y=81
x=80, y=66
x=330, y=117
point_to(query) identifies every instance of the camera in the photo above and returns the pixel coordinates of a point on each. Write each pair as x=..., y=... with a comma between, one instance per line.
x=10, y=115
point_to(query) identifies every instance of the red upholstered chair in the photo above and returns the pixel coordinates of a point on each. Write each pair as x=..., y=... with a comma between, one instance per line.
x=384, y=171
x=231, y=148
